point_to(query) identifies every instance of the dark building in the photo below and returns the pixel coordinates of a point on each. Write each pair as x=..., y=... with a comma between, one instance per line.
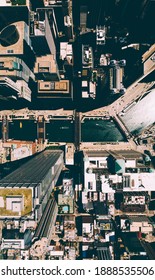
x=25, y=192
x=14, y=239
x=133, y=246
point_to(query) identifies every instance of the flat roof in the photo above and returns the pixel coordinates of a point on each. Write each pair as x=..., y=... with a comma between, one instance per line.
x=33, y=171
x=140, y=218
x=128, y=154
x=102, y=153
x=87, y=219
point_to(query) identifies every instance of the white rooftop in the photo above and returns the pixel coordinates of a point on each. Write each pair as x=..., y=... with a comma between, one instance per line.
x=65, y=50
x=84, y=83
x=85, y=94
x=135, y=119
x=5, y=3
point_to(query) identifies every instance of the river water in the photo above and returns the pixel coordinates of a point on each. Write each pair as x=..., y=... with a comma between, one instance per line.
x=92, y=130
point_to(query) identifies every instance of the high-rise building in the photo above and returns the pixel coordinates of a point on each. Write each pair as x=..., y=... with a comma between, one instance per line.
x=46, y=68
x=120, y=179
x=44, y=31
x=16, y=76
x=25, y=192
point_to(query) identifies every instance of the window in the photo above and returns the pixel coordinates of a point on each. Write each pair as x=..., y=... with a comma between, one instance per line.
x=43, y=69
x=9, y=51
x=1, y=65
x=93, y=162
x=90, y=185
x=53, y=85
x=126, y=181
x=17, y=66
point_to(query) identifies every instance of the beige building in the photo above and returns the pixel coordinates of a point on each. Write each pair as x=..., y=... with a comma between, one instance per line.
x=15, y=72
x=15, y=68
x=13, y=39
x=16, y=149
x=138, y=223
x=55, y=89
x=46, y=68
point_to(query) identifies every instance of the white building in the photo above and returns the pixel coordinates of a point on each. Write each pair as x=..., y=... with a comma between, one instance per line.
x=134, y=181
x=138, y=223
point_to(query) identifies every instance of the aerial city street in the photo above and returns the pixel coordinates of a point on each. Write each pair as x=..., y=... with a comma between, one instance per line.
x=77, y=130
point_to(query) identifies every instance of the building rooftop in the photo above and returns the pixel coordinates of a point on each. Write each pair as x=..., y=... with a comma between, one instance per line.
x=46, y=66
x=12, y=234
x=103, y=253
x=102, y=153
x=127, y=154
x=47, y=219
x=100, y=208
x=33, y=171
x=57, y=88
x=87, y=219
x=139, y=218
